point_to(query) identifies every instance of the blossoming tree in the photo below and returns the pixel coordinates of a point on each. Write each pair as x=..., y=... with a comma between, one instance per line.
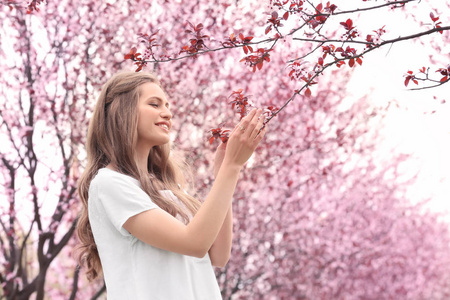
x=318, y=213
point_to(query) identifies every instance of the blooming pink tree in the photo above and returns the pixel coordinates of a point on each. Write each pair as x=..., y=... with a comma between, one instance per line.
x=318, y=214
x=45, y=103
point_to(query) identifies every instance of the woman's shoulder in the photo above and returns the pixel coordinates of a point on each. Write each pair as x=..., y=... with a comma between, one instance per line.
x=108, y=177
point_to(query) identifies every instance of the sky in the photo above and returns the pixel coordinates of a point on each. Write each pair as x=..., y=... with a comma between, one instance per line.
x=418, y=122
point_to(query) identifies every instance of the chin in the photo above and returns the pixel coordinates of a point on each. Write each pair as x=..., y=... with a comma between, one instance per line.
x=162, y=143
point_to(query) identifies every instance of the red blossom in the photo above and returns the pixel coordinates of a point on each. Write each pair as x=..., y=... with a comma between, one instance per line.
x=219, y=133
x=197, y=43
x=348, y=25
x=410, y=76
x=435, y=21
x=133, y=55
x=445, y=72
x=257, y=59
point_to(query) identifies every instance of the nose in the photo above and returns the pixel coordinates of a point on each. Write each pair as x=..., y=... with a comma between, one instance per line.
x=166, y=114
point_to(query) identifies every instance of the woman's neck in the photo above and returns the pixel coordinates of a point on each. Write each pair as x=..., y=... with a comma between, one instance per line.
x=142, y=157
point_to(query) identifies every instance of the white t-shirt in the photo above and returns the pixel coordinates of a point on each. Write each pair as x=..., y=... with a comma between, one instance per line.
x=133, y=269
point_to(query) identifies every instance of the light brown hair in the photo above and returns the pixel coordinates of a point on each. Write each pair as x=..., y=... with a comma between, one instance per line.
x=111, y=138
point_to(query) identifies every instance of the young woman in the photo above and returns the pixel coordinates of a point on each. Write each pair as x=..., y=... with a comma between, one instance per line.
x=149, y=238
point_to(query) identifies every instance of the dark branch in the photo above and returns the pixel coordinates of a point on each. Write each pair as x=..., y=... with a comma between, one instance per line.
x=99, y=293
x=374, y=7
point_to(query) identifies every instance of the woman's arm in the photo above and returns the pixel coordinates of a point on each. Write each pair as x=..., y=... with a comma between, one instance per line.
x=158, y=228
x=221, y=249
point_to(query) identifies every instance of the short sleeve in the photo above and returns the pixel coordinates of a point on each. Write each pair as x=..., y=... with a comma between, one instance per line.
x=121, y=197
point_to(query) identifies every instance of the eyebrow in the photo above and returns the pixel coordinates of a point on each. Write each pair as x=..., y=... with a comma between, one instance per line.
x=158, y=99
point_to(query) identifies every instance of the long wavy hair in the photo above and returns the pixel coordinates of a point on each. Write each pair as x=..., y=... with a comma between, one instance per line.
x=111, y=139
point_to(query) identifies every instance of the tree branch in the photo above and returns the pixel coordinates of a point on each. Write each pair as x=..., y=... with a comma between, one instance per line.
x=100, y=292
x=76, y=277
x=374, y=7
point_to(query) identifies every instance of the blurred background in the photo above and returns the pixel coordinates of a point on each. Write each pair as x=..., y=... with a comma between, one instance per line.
x=348, y=195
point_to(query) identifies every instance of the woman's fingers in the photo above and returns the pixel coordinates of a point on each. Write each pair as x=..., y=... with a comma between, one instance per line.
x=259, y=125
x=253, y=123
x=245, y=138
x=243, y=126
x=260, y=134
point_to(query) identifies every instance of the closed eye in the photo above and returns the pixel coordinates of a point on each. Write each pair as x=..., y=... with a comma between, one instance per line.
x=154, y=104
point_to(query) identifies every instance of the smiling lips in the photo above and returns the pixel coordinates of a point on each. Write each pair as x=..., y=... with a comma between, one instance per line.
x=163, y=125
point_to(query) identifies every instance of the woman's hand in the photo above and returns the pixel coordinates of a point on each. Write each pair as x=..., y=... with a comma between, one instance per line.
x=245, y=138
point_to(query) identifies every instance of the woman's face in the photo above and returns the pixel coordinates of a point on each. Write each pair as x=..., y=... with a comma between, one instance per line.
x=154, y=117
